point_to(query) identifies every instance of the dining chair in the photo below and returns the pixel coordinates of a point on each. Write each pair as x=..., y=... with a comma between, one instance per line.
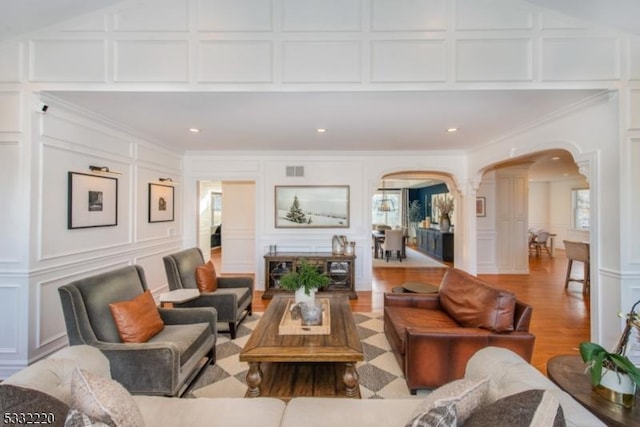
x=393, y=241
x=540, y=242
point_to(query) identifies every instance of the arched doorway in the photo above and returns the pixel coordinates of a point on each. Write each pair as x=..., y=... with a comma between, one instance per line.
x=407, y=199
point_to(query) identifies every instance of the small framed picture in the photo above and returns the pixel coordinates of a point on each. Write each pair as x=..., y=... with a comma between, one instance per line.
x=92, y=201
x=161, y=203
x=481, y=206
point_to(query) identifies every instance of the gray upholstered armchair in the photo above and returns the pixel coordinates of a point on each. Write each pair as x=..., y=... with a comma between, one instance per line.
x=166, y=363
x=232, y=298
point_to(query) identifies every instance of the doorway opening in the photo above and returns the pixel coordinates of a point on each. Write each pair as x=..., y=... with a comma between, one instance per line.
x=226, y=225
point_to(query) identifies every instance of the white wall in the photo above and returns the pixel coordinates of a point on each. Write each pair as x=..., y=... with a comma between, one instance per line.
x=270, y=45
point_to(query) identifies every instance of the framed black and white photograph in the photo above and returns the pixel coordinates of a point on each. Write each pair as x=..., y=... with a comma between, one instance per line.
x=481, y=206
x=161, y=203
x=92, y=201
x=312, y=206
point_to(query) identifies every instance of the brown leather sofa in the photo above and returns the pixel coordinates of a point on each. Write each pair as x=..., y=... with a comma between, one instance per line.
x=434, y=335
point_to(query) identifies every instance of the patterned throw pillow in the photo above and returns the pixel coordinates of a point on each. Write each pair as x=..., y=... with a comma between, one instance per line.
x=465, y=394
x=76, y=418
x=442, y=416
x=534, y=408
x=21, y=401
x=104, y=400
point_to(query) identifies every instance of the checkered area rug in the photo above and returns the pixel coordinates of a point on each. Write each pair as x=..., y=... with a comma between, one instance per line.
x=380, y=374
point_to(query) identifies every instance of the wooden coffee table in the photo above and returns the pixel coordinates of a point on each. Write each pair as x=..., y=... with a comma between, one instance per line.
x=287, y=366
x=568, y=372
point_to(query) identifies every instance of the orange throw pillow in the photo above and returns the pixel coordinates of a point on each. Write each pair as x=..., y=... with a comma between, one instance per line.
x=137, y=320
x=206, y=278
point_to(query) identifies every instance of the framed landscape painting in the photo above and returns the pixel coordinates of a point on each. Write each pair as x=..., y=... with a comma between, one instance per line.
x=92, y=201
x=161, y=203
x=312, y=206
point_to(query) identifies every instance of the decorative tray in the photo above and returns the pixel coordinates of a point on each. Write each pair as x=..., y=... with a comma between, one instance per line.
x=289, y=326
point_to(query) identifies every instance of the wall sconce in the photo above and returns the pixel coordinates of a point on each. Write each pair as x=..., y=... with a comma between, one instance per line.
x=102, y=169
x=166, y=181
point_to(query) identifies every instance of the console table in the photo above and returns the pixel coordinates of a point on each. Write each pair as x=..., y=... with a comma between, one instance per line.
x=339, y=268
x=435, y=243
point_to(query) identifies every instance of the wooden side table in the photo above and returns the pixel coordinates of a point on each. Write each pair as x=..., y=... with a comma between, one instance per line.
x=420, y=288
x=568, y=372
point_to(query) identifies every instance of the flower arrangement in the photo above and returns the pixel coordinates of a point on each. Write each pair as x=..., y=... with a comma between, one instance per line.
x=444, y=204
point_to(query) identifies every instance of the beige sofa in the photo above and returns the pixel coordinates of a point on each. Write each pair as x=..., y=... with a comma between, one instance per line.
x=509, y=374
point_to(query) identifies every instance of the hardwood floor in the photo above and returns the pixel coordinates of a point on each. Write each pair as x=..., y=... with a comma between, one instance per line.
x=560, y=317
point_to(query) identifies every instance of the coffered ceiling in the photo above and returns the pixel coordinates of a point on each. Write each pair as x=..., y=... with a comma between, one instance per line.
x=288, y=121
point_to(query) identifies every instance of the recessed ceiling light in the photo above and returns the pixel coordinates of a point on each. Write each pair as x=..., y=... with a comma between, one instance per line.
x=451, y=130
x=555, y=158
x=194, y=130
x=321, y=130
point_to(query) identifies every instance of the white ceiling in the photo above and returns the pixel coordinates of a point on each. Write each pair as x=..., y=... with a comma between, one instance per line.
x=409, y=120
x=287, y=121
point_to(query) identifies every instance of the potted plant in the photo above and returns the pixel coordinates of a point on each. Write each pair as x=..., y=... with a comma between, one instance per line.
x=305, y=280
x=613, y=375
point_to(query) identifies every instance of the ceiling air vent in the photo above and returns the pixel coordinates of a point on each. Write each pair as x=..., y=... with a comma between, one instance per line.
x=295, y=170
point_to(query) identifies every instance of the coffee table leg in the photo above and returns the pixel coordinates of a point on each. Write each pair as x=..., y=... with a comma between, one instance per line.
x=351, y=380
x=254, y=378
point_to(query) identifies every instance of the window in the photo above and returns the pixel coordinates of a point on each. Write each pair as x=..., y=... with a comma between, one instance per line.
x=387, y=208
x=216, y=209
x=581, y=205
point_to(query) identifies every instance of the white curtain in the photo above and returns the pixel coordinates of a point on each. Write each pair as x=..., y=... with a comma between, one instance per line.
x=404, y=208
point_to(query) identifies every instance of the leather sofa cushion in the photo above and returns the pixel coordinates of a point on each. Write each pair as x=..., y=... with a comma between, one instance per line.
x=474, y=304
x=206, y=278
x=137, y=320
x=399, y=319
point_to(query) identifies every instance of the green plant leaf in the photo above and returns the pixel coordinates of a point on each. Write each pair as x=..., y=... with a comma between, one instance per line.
x=597, y=356
x=307, y=276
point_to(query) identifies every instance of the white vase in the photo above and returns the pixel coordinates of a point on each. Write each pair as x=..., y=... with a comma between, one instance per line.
x=301, y=296
x=445, y=223
x=616, y=387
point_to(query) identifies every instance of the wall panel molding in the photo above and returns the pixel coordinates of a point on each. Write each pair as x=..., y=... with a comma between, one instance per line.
x=10, y=309
x=50, y=321
x=633, y=110
x=146, y=61
x=321, y=15
x=493, y=15
x=580, y=59
x=420, y=15
x=11, y=60
x=11, y=116
x=234, y=15
x=494, y=60
x=321, y=61
x=73, y=60
x=409, y=61
x=168, y=16
x=249, y=61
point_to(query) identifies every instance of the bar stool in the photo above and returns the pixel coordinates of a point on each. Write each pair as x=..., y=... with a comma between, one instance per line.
x=578, y=251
